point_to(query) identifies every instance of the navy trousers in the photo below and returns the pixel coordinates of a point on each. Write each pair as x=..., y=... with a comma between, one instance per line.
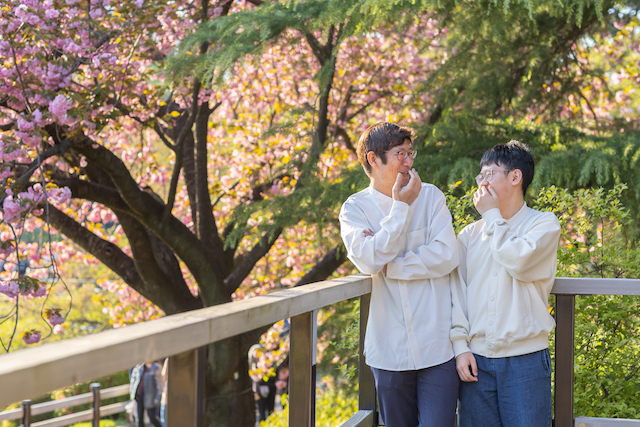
x=425, y=397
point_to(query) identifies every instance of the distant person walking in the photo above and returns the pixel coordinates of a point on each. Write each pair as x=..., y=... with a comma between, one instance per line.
x=146, y=389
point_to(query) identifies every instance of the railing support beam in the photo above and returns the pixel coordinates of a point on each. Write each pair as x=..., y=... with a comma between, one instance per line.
x=565, y=326
x=95, y=404
x=26, y=413
x=302, y=370
x=366, y=388
x=185, y=389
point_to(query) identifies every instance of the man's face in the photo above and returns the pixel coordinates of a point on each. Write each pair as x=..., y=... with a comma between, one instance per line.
x=388, y=172
x=496, y=177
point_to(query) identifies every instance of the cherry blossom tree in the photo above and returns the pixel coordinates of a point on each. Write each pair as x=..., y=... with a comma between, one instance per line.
x=200, y=149
x=192, y=193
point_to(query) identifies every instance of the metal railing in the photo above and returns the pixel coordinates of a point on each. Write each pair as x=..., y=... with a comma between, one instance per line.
x=180, y=337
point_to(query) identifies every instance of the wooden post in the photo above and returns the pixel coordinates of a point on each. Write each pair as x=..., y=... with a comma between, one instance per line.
x=185, y=389
x=302, y=370
x=366, y=390
x=565, y=324
x=95, y=405
x=26, y=413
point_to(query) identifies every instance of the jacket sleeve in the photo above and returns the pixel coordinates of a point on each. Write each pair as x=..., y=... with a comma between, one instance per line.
x=437, y=255
x=459, y=334
x=530, y=256
x=371, y=253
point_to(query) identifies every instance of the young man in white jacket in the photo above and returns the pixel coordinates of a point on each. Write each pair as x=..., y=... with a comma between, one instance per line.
x=399, y=230
x=501, y=320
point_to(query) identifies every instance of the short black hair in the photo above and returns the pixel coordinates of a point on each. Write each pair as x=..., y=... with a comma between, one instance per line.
x=512, y=155
x=380, y=138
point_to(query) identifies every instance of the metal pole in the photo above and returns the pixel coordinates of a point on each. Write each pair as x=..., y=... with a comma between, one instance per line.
x=185, y=389
x=26, y=413
x=95, y=405
x=302, y=370
x=367, y=389
x=565, y=324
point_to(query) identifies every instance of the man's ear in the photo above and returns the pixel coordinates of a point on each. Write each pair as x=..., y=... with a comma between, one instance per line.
x=516, y=178
x=371, y=158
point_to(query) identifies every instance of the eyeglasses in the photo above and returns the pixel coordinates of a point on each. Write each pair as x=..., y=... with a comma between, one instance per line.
x=488, y=175
x=402, y=154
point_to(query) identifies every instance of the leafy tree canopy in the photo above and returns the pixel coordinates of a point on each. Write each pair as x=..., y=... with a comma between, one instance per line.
x=200, y=149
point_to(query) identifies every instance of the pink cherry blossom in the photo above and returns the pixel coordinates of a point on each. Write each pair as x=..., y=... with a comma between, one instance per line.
x=60, y=105
x=55, y=318
x=11, y=289
x=25, y=125
x=51, y=14
x=31, y=337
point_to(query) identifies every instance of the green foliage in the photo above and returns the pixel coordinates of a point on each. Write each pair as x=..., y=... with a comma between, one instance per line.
x=565, y=156
x=595, y=243
x=103, y=423
x=333, y=407
x=317, y=201
x=342, y=333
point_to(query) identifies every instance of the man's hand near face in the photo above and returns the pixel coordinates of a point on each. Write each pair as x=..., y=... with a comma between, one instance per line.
x=485, y=198
x=407, y=193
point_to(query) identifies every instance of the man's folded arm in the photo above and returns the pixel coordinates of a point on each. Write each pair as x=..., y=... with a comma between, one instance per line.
x=371, y=253
x=527, y=257
x=436, y=258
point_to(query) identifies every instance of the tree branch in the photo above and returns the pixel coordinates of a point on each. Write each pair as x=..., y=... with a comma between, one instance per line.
x=94, y=192
x=59, y=148
x=249, y=260
x=146, y=209
x=158, y=268
x=325, y=268
x=105, y=251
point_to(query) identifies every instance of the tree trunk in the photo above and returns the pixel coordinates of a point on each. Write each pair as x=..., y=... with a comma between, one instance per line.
x=229, y=400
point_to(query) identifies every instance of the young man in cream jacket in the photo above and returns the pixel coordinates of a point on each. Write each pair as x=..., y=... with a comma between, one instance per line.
x=500, y=298
x=399, y=230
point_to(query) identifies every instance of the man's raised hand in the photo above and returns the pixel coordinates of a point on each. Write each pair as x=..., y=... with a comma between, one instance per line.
x=408, y=193
x=485, y=198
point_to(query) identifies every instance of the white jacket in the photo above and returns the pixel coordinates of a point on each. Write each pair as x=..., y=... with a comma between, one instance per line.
x=501, y=289
x=410, y=311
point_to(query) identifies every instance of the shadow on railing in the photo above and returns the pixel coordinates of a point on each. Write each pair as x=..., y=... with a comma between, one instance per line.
x=32, y=372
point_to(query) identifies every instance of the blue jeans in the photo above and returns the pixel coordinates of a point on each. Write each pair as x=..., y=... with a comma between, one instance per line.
x=425, y=397
x=511, y=391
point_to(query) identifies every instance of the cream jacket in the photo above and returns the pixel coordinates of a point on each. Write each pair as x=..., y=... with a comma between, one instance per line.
x=410, y=310
x=501, y=289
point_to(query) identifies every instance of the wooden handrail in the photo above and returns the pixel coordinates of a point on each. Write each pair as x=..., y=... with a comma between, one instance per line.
x=32, y=372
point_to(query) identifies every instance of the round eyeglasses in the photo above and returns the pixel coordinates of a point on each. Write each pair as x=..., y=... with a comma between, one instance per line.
x=402, y=154
x=488, y=175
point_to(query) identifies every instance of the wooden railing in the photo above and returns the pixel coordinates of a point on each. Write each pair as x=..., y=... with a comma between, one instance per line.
x=35, y=371
x=94, y=397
